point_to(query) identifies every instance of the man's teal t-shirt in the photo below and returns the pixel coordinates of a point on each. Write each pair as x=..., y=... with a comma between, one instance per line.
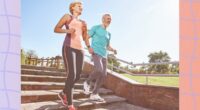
x=100, y=40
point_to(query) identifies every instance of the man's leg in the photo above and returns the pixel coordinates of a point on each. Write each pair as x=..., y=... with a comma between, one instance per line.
x=94, y=75
x=97, y=68
x=102, y=76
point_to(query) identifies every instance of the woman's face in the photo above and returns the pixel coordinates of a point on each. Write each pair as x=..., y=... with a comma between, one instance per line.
x=78, y=8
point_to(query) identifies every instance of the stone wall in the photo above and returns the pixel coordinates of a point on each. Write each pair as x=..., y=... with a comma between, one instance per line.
x=155, y=97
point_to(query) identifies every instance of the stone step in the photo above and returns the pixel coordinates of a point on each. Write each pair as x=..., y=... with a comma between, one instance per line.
x=46, y=85
x=81, y=104
x=41, y=68
x=46, y=73
x=50, y=95
x=121, y=106
x=42, y=72
x=44, y=78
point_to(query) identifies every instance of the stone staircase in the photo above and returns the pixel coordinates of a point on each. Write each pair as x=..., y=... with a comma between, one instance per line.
x=40, y=86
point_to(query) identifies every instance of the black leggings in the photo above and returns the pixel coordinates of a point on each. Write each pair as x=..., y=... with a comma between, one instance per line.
x=73, y=60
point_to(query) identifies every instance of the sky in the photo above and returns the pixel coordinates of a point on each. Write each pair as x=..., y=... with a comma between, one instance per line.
x=138, y=27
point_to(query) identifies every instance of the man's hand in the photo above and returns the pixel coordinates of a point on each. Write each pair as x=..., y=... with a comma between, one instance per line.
x=115, y=51
x=112, y=49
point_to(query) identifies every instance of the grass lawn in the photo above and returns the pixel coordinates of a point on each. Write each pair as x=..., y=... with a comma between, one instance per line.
x=161, y=81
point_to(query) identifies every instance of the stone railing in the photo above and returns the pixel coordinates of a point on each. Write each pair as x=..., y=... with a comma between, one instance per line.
x=47, y=62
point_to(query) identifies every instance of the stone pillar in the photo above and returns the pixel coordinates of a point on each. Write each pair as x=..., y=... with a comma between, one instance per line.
x=42, y=61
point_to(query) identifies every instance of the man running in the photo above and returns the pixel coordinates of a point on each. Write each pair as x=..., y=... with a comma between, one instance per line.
x=100, y=44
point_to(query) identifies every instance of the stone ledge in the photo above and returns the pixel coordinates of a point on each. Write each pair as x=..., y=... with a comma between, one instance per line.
x=148, y=96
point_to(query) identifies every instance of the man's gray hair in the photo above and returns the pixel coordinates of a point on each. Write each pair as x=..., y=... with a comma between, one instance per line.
x=106, y=15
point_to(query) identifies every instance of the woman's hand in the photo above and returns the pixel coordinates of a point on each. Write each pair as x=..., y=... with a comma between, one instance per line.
x=91, y=51
x=71, y=31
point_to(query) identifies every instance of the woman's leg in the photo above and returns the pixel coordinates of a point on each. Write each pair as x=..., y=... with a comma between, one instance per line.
x=69, y=83
x=79, y=64
x=64, y=55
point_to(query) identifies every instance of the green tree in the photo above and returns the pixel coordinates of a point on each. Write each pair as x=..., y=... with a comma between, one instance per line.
x=143, y=69
x=158, y=57
x=31, y=53
x=174, y=69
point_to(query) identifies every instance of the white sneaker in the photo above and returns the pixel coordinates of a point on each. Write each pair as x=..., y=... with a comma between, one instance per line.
x=86, y=88
x=96, y=97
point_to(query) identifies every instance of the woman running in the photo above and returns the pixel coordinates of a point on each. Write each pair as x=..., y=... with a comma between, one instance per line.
x=72, y=50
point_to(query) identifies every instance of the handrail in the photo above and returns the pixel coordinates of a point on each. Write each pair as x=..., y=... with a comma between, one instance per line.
x=145, y=74
x=141, y=64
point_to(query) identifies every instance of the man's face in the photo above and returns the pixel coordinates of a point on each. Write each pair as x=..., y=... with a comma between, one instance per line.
x=107, y=20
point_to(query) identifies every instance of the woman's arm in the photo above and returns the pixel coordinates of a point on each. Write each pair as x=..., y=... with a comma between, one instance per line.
x=85, y=34
x=86, y=39
x=61, y=23
x=87, y=42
